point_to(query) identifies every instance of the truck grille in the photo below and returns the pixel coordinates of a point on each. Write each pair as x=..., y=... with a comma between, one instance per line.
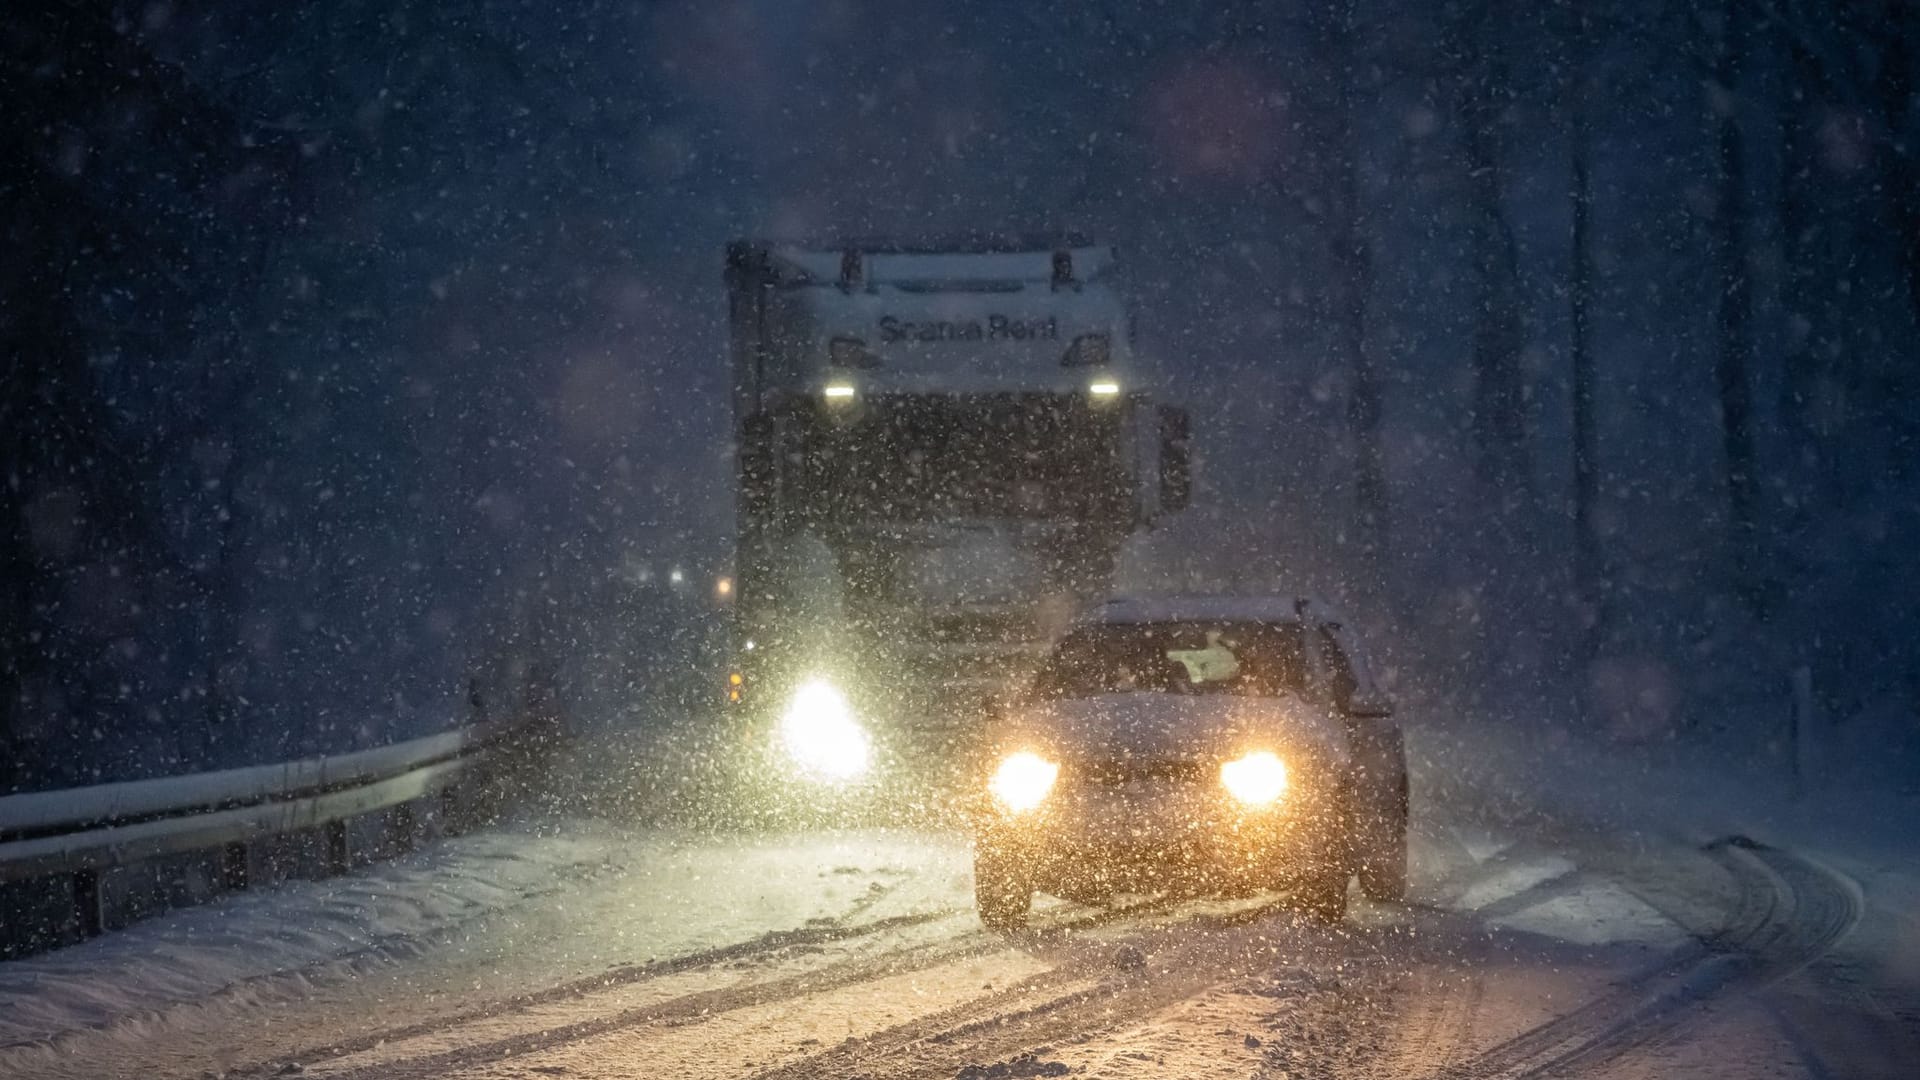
x=1034, y=456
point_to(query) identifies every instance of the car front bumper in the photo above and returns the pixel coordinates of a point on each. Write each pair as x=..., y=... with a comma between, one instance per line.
x=1094, y=841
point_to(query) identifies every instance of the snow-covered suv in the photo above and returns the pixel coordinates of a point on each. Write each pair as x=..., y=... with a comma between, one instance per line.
x=1204, y=744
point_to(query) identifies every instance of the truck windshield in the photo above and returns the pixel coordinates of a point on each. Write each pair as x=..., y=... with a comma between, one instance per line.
x=976, y=456
x=1253, y=659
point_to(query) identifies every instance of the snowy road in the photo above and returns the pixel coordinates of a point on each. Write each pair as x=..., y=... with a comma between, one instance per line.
x=1535, y=945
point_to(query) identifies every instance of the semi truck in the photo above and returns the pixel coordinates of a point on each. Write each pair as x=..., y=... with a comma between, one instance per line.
x=940, y=450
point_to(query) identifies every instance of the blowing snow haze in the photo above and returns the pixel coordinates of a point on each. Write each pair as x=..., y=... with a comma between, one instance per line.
x=351, y=343
x=374, y=369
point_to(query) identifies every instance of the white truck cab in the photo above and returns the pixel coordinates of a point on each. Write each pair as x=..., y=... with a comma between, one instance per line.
x=922, y=412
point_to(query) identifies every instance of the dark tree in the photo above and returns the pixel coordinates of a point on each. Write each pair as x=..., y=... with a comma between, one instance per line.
x=1473, y=50
x=1733, y=285
x=1579, y=86
x=129, y=198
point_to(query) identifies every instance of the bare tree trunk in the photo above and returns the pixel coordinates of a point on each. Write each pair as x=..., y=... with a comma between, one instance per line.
x=1355, y=261
x=1898, y=160
x=1734, y=362
x=1364, y=407
x=1499, y=397
x=1803, y=315
x=1338, y=37
x=1586, y=472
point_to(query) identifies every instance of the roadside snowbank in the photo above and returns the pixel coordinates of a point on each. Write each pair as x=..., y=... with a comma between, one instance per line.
x=594, y=895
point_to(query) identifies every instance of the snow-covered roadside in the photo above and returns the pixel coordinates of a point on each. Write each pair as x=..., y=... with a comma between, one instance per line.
x=595, y=896
x=1857, y=1006
x=386, y=910
x=1674, y=788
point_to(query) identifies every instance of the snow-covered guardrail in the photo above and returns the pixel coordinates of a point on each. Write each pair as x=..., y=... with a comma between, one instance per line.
x=80, y=833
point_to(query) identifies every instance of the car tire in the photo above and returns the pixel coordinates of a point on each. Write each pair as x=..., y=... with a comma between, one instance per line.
x=1383, y=871
x=1323, y=894
x=1000, y=891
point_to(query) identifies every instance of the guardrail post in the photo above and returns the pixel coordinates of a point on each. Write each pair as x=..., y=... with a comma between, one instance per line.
x=337, y=855
x=401, y=828
x=74, y=863
x=86, y=903
x=233, y=867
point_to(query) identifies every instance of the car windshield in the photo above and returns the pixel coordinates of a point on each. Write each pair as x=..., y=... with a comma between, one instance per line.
x=1257, y=659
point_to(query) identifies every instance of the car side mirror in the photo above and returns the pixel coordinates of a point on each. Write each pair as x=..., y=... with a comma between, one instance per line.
x=1176, y=459
x=1370, y=706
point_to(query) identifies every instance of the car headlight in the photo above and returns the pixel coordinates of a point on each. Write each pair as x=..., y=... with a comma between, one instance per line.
x=1255, y=779
x=1023, y=780
x=821, y=735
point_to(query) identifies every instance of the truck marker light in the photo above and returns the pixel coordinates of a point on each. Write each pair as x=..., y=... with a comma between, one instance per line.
x=723, y=587
x=1104, y=388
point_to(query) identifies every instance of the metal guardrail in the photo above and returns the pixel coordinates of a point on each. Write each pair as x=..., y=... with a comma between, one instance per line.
x=81, y=832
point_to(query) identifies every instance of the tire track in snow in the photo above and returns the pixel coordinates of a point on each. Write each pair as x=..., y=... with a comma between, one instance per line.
x=1790, y=911
x=694, y=1006
x=770, y=944
x=771, y=947
x=1443, y=1028
x=1106, y=987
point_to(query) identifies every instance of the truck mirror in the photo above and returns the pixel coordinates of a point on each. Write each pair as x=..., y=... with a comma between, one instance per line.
x=1176, y=470
x=1369, y=705
x=993, y=706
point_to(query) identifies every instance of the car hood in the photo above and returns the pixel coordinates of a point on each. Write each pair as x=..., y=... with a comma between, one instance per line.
x=1148, y=726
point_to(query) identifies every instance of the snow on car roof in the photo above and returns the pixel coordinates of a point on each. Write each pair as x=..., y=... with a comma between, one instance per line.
x=1182, y=607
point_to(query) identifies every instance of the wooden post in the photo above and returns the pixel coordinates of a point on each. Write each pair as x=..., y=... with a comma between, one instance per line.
x=400, y=828
x=1802, y=733
x=87, y=903
x=337, y=855
x=233, y=867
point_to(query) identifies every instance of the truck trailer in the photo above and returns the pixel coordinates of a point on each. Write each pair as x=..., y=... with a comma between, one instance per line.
x=940, y=449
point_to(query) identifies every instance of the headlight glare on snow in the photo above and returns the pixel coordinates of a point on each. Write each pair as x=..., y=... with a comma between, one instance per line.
x=821, y=736
x=1023, y=780
x=1256, y=779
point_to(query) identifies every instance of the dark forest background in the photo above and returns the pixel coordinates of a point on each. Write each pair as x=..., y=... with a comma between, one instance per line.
x=353, y=350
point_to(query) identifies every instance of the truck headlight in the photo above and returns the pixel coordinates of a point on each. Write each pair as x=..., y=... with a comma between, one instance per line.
x=1023, y=780
x=820, y=734
x=1255, y=779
